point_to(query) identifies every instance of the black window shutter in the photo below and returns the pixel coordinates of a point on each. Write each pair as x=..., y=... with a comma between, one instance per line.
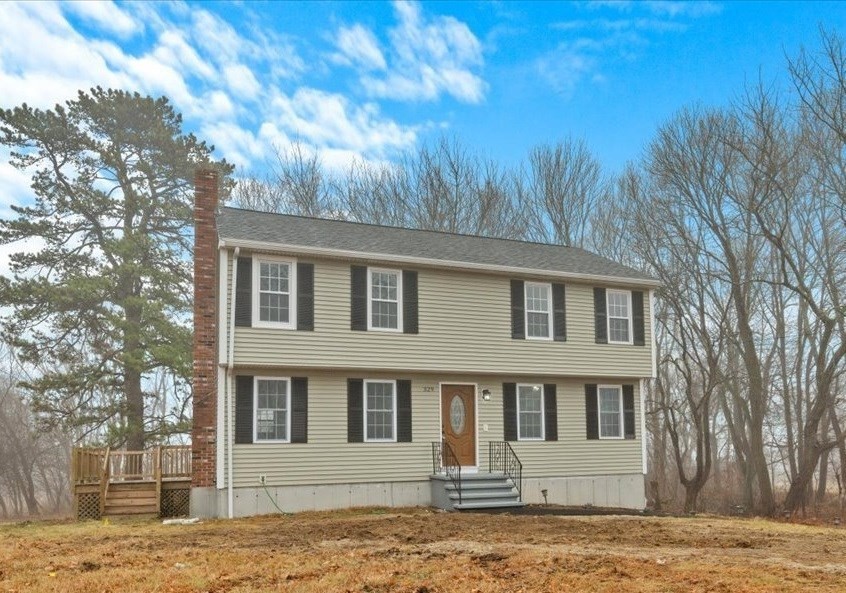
x=355, y=410
x=244, y=293
x=243, y=409
x=409, y=302
x=637, y=318
x=600, y=320
x=403, y=411
x=559, y=313
x=518, y=317
x=305, y=297
x=628, y=412
x=509, y=411
x=299, y=410
x=591, y=411
x=358, y=298
x=550, y=412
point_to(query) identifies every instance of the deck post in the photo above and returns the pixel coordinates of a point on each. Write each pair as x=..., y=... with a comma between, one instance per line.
x=104, y=481
x=157, y=464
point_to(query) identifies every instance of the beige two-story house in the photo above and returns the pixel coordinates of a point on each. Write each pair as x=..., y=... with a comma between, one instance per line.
x=342, y=364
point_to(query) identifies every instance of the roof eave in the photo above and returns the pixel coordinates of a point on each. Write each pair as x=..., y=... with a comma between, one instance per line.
x=432, y=262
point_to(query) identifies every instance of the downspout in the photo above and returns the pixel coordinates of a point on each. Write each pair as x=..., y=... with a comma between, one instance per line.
x=230, y=437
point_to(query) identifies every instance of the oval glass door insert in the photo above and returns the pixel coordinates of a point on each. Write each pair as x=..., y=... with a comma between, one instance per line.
x=457, y=414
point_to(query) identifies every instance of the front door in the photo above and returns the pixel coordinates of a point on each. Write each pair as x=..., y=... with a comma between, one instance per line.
x=458, y=421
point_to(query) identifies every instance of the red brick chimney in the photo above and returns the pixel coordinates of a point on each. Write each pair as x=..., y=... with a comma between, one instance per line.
x=203, y=432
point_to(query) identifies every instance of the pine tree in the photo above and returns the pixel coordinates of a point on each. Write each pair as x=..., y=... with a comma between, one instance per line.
x=100, y=301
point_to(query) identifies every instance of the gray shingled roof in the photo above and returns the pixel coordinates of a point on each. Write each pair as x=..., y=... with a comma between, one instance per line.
x=248, y=225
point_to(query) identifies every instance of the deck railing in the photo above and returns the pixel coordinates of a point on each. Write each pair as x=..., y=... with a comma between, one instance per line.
x=176, y=461
x=95, y=466
x=87, y=465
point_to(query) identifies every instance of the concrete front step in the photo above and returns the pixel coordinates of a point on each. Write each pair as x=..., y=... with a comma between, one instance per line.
x=465, y=487
x=510, y=494
x=469, y=506
x=478, y=491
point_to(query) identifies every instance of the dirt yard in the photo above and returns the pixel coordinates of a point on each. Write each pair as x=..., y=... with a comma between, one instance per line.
x=420, y=551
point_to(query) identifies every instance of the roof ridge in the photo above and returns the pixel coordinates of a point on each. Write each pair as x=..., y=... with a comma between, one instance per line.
x=328, y=233
x=404, y=228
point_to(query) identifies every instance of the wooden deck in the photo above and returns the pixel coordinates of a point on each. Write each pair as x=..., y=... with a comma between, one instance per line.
x=110, y=483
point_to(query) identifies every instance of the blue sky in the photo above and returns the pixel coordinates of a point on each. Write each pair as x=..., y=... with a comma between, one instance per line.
x=373, y=80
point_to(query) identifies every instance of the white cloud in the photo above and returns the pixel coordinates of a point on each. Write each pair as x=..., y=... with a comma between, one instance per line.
x=30, y=245
x=588, y=45
x=241, y=81
x=106, y=15
x=330, y=120
x=678, y=8
x=425, y=59
x=668, y=8
x=174, y=50
x=237, y=88
x=240, y=146
x=358, y=46
x=15, y=184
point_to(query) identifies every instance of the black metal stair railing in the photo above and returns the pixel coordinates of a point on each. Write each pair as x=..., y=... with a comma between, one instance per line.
x=445, y=461
x=502, y=459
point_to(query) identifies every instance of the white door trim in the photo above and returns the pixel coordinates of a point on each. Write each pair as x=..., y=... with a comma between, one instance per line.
x=471, y=469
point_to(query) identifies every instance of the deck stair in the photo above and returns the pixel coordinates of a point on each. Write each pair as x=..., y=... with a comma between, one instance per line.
x=131, y=498
x=119, y=483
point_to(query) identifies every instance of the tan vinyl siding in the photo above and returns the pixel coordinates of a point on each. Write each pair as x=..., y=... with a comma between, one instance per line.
x=465, y=326
x=327, y=458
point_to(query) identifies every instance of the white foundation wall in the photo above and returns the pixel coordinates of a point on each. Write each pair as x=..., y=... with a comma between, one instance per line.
x=625, y=492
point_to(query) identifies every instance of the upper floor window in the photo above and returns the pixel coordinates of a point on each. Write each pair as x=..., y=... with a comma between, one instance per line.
x=380, y=405
x=272, y=410
x=530, y=412
x=538, y=310
x=619, y=316
x=274, y=299
x=384, y=304
x=610, y=411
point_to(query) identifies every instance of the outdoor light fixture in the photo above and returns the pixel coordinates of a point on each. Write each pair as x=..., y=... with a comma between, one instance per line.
x=486, y=394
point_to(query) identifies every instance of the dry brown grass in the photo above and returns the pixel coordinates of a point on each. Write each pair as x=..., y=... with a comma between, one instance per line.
x=424, y=552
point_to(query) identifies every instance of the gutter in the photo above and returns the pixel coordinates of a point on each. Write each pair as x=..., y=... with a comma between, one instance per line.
x=433, y=262
x=230, y=437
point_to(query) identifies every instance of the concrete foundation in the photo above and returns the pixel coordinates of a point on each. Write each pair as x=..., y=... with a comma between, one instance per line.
x=623, y=491
x=208, y=502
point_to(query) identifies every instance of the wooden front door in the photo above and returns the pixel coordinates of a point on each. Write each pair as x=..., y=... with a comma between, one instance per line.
x=458, y=421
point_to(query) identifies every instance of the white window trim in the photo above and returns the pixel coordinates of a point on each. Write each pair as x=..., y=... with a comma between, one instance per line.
x=255, y=410
x=292, y=291
x=364, y=407
x=628, y=294
x=526, y=310
x=542, y=437
x=619, y=389
x=399, y=328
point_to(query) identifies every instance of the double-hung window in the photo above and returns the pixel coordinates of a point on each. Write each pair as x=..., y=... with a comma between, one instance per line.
x=274, y=299
x=272, y=407
x=530, y=407
x=384, y=303
x=380, y=405
x=610, y=411
x=619, y=316
x=538, y=310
